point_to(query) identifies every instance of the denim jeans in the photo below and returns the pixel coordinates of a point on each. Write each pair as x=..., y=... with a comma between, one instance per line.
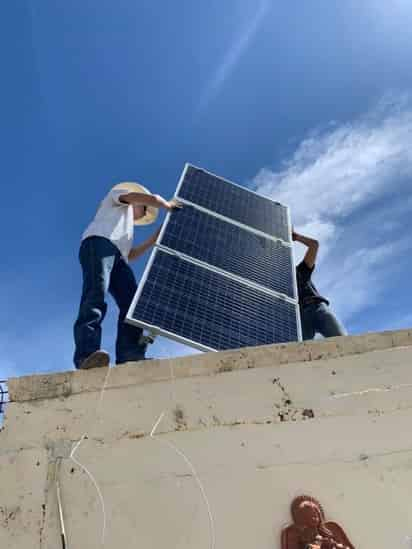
x=318, y=318
x=105, y=270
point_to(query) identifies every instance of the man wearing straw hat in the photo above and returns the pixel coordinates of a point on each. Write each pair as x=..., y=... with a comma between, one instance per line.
x=106, y=248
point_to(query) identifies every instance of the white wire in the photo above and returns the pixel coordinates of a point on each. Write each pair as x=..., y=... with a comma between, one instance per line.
x=59, y=505
x=195, y=475
x=152, y=435
x=83, y=467
x=189, y=464
x=91, y=477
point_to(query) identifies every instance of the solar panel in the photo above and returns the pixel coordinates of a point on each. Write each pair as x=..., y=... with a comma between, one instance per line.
x=254, y=257
x=222, y=273
x=234, y=202
x=209, y=309
x=4, y=399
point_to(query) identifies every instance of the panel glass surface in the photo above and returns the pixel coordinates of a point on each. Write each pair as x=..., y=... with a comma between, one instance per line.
x=210, y=309
x=220, y=196
x=231, y=248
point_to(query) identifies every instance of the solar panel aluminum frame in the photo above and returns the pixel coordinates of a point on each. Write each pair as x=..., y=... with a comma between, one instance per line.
x=156, y=330
x=158, y=246
x=223, y=272
x=234, y=222
x=229, y=219
x=238, y=223
x=295, y=283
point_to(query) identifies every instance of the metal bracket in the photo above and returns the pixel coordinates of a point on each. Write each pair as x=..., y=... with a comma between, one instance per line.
x=147, y=339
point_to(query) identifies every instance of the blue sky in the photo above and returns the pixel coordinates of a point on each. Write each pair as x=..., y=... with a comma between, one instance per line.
x=308, y=102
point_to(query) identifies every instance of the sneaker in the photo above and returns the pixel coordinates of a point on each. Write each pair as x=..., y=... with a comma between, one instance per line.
x=98, y=359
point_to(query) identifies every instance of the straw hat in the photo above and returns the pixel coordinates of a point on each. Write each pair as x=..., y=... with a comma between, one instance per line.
x=151, y=212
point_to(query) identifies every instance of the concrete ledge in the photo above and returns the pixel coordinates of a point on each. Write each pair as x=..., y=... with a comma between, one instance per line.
x=64, y=384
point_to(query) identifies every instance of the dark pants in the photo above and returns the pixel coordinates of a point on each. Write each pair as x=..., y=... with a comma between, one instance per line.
x=104, y=269
x=318, y=318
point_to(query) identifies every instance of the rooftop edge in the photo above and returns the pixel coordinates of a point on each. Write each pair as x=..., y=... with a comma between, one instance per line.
x=64, y=384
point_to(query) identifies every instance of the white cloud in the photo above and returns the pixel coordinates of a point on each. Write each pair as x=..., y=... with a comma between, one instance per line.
x=233, y=55
x=358, y=278
x=349, y=186
x=330, y=175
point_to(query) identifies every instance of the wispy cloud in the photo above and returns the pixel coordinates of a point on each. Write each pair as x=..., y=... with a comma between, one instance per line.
x=233, y=55
x=350, y=187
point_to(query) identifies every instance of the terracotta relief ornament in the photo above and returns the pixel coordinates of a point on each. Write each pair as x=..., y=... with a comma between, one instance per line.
x=309, y=529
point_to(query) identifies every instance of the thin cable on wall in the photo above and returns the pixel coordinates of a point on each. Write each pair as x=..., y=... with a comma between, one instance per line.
x=181, y=454
x=167, y=443
x=195, y=476
x=75, y=448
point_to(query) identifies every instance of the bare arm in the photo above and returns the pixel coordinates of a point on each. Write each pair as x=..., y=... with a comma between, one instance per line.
x=312, y=251
x=137, y=251
x=149, y=200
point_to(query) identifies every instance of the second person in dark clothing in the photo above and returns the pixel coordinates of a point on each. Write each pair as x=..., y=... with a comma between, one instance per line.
x=315, y=314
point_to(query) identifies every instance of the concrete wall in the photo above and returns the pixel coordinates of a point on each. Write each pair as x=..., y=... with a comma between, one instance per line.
x=259, y=426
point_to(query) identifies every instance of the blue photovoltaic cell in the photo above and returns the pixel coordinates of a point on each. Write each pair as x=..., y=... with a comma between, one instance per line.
x=231, y=248
x=210, y=309
x=220, y=196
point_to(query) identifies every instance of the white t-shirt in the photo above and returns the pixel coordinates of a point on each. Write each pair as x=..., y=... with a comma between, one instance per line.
x=114, y=221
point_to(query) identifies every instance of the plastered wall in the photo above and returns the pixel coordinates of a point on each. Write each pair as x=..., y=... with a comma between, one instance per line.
x=241, y=433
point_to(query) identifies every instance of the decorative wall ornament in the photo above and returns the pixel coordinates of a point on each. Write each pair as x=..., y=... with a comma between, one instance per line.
x=310, y=530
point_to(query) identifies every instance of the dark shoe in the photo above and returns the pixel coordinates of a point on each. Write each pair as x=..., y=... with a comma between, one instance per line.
x=98, y=359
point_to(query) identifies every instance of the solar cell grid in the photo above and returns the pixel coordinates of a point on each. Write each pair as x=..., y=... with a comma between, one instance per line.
x=231, y=248
x=210, y=309
x=229, y=200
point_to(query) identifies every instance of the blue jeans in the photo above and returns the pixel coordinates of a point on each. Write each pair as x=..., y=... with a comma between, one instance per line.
x=318, y=318
x=104, y=269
